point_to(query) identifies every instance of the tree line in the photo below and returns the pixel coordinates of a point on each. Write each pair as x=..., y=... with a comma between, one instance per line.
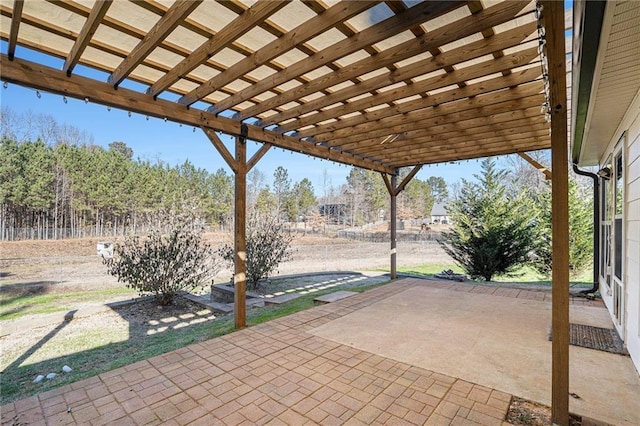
x=56, y=183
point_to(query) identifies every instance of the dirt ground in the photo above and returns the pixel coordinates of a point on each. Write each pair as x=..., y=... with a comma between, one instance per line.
x=57, y=267
x=73, y=265
x=529, y=413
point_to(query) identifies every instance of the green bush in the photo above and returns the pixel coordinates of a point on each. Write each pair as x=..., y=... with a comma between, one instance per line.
x=493, y=232
x=163, y=264
x=268, y=245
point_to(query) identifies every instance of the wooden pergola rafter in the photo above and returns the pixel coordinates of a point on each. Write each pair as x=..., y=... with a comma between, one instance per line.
x=374, y=84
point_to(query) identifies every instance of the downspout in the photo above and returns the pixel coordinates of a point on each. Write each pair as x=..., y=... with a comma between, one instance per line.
x=596, y=228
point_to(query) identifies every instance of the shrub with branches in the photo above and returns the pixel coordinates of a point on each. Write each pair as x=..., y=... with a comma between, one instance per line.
x=493, y=232
x=268, y=245
x=163, y=264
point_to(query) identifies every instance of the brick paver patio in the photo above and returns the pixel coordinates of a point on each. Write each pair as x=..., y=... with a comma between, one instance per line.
x=276, y=373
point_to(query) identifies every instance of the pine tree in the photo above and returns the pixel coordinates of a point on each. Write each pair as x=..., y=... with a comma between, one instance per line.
x=281, y=190
x=492, y=232
x=438, y=188
x=580, y=231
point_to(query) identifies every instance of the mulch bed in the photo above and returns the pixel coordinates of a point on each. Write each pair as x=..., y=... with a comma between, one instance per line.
x=525, y=412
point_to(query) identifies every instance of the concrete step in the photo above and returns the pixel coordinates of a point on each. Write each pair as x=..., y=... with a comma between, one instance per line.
x=335, y=296
x=278, y=300
x=219, y=308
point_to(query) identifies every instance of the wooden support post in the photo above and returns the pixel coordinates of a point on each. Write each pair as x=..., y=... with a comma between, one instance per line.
x=394, y=189
x=393, y=222
x=240, y=229
x=240, y=167
x=553, y=15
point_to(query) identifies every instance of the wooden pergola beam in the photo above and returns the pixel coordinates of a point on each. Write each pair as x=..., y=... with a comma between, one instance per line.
x=240, y=231
x=430, y=41
x=387, y=28
x=15, y=26
x=396, y=125
x=469, y=91
x=511, y=120
x=547, y=173
x=553, y=15
x=240, y=167
x=257, y=156
x=316, y=25
x=153, y=38
x=511, y=109
x=394, y=189
x=503, y=99
x=482, y=69
x=227, y=35
x=55, y=81
x=470, y=148
x=86, y=34
x=456, y=138
x=465, y=53
x=219, y=146
x=407, y=179
x=525, y=145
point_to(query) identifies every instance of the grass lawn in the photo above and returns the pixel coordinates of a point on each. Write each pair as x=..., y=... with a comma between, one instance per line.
x=13, y=306
x=97, y=349
x=523, y=275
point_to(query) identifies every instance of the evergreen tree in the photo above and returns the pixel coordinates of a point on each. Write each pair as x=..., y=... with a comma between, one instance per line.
x=304, y=195
x=438, y=188
x=281, y=190
x=417, y=198
x=580, y=231
x=221, y=191
x=493, y=232
x=367, y=195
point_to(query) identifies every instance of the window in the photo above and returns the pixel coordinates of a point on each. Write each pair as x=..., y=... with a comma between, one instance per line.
x=619, y=208
x=605, y=228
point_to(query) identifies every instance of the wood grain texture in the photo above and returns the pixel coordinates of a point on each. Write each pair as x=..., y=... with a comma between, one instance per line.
x=232, y=31
x=173, y=17
x=86, y=33
x=387, y=28
x=425, y=42
x=553, y=15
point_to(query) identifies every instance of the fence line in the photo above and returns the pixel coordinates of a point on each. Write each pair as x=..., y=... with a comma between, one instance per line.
x=380, y=237
x=356, y=234
x=18, y=234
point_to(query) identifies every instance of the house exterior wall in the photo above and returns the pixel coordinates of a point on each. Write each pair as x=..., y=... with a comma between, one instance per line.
x=628, y=133
x=633, y=240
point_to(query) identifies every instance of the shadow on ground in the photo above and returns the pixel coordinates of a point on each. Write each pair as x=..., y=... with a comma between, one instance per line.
x=152, y=330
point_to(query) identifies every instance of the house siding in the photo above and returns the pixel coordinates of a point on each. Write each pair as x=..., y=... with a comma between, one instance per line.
x=632, y=275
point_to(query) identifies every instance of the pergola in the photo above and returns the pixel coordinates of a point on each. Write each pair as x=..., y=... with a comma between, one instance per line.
x=379, y=85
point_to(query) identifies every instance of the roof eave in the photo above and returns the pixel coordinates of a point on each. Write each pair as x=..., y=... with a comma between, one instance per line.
x=587, y=27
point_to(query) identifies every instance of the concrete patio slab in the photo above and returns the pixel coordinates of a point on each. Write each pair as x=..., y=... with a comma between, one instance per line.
x=284, y=372
x=499, y=342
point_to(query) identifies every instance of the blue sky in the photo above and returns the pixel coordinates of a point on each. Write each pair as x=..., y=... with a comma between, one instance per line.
x=154, y=139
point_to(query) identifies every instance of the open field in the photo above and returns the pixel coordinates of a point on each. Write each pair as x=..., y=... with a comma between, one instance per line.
x=73, y=265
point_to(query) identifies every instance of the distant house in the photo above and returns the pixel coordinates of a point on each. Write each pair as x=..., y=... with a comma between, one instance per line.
x=439, y=214
x=333, y=213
